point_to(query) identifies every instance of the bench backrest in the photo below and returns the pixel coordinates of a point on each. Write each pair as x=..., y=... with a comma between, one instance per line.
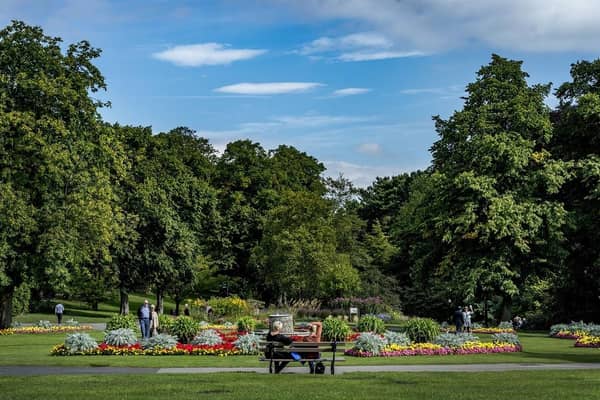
x=304, y=347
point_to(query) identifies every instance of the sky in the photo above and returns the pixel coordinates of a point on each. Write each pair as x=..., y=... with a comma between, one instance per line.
x=353, y=83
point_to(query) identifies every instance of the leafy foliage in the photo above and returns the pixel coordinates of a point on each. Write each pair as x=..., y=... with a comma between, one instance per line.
x=119, y=321
x=184, y=328
x=79, y=343
x=246, y=324
x=370, y=342
x=399, y=338
x=160, y=341
x=335, y=329
x=505, y=337
x=248, y=343
x=421, y=330
x=165, y=323
x=371, y=323
x=120, y=337
x=454, y=340
x=208, y=337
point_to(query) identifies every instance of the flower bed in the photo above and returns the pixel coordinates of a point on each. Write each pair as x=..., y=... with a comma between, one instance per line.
x=588, y=341
x=38, y=330
x=430, y=349
x=492, y=330
x=568, y=335
x=221, y=350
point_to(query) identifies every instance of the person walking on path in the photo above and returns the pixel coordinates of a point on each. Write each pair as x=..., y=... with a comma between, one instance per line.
x=153, y=321
x=59, y=309
x=144, y=318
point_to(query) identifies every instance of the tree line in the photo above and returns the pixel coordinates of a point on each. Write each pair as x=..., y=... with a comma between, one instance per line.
x=506, y=216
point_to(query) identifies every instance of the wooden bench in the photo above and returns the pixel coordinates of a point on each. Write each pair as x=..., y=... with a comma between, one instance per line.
x=324, y=352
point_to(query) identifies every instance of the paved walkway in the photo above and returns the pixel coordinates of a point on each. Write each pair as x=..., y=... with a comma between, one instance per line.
x=44, y=370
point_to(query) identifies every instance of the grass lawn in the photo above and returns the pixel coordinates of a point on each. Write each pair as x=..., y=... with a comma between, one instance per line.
x=35, y=349
x=547, y=385
x=81, y=311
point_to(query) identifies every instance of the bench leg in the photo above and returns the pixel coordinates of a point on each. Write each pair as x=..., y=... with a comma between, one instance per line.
x=332, y=368
x=271, y=366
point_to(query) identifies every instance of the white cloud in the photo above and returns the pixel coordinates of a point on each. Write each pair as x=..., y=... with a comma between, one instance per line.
x=350, y=91
x=196, y=55
x=439, y=25
x=317, y=120
x=359, y=175
x=268, y=88
x=378, y=55
x=370, y=148
x=362, y=46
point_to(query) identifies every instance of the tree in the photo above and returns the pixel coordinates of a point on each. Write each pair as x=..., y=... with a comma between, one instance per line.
x=59, y=210
x=491, y=207
x=577, y=142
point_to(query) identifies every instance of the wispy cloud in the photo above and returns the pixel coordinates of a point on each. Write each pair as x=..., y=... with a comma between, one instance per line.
x=362, y=46
x=440, y=25
x=378, y=55
x=196, y=55
x=268, y=88
x=352, y=91
x=450, y=91
x=370, y=148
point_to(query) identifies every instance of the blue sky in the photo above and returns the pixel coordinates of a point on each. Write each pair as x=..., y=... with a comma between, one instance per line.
x=353, y=83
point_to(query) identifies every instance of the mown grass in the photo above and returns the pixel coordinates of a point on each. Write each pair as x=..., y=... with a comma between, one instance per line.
x=35, y=350
x=547, y=385
x=83, y=313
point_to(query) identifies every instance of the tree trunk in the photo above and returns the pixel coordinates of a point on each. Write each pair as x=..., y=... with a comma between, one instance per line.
x=177, y=303
x=6, y=296
x=124, y=308
x=506, y=309
x=159, y=300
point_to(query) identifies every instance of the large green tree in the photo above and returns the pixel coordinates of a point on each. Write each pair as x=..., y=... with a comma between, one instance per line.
x=488, y=218
x=577, y=142
x=58, y=209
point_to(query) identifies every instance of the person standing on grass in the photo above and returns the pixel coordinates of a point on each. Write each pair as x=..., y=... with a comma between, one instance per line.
x=59, y=309
x=459, y=320
x=153, y=321
x=467, y=313
x=144, y=318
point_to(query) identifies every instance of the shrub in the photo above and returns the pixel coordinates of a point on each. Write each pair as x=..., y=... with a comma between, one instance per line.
x=505, y=337
x=370, y=342
x=229, y=306
x=165, y=323
x=454, y=340
x=208, y=337
x=79, y=343
x=371, y=323
x=335, y=329
x=248, y=344
x=246, y=324
x=20, y=300
x=505, y=325
x=119, y=321
x=120, y=337
x=43, y=324
x=161, y=341
x=184, y=328
x=399, y=338
x=421, y=330
x=71, y=322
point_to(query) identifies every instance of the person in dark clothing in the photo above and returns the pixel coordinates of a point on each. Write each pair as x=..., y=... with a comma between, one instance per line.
x=459, y=320
x=275, y=335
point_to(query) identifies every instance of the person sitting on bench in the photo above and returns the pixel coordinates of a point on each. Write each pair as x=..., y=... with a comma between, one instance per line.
x=275, y=335
x=315, y=329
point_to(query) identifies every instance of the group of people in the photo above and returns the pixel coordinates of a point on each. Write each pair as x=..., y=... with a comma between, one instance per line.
x=148, y=318
x=315, y=329
x=462, y=319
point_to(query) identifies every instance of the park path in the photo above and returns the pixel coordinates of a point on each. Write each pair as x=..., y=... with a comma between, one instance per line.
x=46, y=370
